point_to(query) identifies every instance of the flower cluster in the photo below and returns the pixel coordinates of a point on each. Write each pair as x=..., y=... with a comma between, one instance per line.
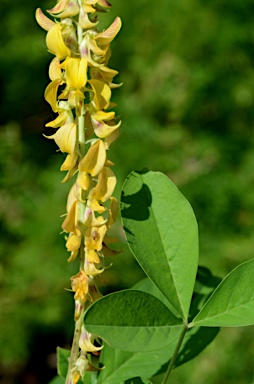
x=80, y=94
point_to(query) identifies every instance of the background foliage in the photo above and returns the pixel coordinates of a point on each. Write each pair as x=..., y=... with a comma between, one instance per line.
x=187, y=110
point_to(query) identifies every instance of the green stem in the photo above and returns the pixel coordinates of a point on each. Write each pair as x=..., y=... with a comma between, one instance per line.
x=74, y=348
x=173, y=359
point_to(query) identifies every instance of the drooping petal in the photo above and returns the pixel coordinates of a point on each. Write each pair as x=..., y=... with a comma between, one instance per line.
x=105, y=186
x=103, y=130
x=102, y=94
x=43, y=20
x=54, y=69
x=50, y=94
x=94, y=160
x=73, y=243
x=91, y=270
x=111, y=138
x=69, y=223
x=65, y=138
x=84, y=20
x=86, y=342
x=76, y=72
x=96, y=206
x=103, y=116
x=110, y=33
x=59, y=121
x=55, y=42
x=71, y=10
x=59, y=7
x=69, y=162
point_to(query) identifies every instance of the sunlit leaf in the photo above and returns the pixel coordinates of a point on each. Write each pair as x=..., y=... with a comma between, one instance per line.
x=162, y=233
x=232, y=303
x=132, y=320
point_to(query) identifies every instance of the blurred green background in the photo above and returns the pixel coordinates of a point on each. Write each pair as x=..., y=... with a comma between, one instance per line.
x=187, y=110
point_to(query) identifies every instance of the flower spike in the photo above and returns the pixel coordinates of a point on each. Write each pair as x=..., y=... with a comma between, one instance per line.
x=79, y=93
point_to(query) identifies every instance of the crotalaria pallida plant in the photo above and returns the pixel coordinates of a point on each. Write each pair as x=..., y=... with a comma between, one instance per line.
x=173, y=314
x=79, y=93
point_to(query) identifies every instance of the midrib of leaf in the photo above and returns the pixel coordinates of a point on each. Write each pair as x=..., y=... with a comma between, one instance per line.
x=172, y=276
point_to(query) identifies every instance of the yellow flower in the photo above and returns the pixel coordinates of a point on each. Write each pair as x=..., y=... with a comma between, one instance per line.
x=94, y=237
x=65, y=8
x=86, y=341
x=75, y=72
x=94, y=160
x=79, y=284
x=110, y=33
x=105, y=186
x=55, y=42
x=65, y=138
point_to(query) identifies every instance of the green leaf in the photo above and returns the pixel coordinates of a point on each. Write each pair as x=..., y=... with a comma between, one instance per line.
x=204, y=286
x=232, y=303
x=57, y=380
x=131, y=320
x=137, y=380
x=162, y=233
x=122, y=365
x=62, y=361
x=196, y=339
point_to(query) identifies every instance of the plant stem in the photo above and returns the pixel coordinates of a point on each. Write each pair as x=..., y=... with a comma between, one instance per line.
x=173, y=359
x=74, y=348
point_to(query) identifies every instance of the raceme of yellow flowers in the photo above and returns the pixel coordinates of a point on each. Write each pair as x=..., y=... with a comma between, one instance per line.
x=79, y=93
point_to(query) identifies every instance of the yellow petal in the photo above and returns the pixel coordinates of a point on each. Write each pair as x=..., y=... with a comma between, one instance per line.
x=70, y=174
x=71, y=10
x=43, y=20
x=73, y=256
x=109, y=34
x=79, y=284
x=76, y=73
x=59, y=121
x=111, y=138
x=94, y=160
x=65, y=138
x=91, y=221
x=69, y=223
x=55, y=42
x=87, y=8
x=94, y=237
x=92, y=256
x=69, y=162
x=84, y=20
x=72, y=197
x=103, y=116
x=105, y=186
x=73, y=243
x=86, y=342
x=103, y=130
x=50, y=94
x=59, y=7
x=102, y=94
x=91, y=270
x=96, y=206
x=83, y=180
x=104, y=3
x=54, y=69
